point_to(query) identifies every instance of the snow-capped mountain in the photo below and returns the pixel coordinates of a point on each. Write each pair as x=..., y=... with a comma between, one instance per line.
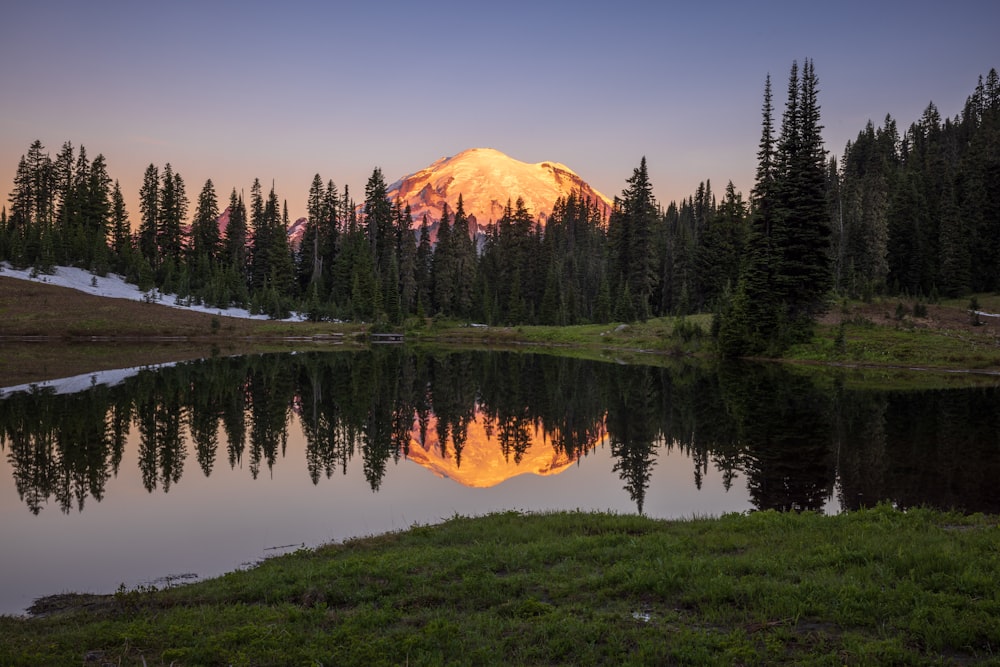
x=487, y=179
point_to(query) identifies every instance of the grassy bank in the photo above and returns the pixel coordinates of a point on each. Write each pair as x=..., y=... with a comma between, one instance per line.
x=872, y=587
x=891, y=332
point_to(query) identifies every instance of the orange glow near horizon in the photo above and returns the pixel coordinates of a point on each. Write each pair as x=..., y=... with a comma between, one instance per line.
x=482, y=462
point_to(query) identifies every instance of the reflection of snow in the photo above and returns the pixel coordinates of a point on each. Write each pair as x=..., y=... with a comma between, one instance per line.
x=115, y=287
x=77, y=383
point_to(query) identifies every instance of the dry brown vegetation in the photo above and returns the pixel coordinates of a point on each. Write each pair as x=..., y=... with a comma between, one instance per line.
x=948, y=316
x=35, y=309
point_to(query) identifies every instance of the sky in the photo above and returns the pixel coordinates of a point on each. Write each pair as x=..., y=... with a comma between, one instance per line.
x=281, y=91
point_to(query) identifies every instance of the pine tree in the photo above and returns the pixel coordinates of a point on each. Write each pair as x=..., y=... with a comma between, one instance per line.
x=364, y=285
x=205, y=245
x=787, y=272
x=205, y=239
x=280, y=263
x=391, y=301
x=63, y=181
x=379, y=221
x=406, y=251
x=519, y=244
x=721, y=248
x=463, y=252
x=955, y=278
x=149, y=215
x=234, y=249
x=329, y=231
x=352, y=241
x=905, y=249
x=97, y=210
x=42, y=190
x=260, y=253
x=21, y=199
x=5, y=235
x=31, y=203
x=282, y=278
x=310, y=259
x=443, y=267
x=801, y=229
x=71, y=242
x=121, y=232
x=867, y=171
x=422, y=268
x=763, y=195
x=173, y=212
x=630, y=234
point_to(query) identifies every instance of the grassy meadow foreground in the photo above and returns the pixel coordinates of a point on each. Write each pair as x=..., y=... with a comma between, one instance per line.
x=877, y=586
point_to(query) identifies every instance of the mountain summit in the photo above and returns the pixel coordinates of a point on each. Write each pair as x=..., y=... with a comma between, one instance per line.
x=487, y=179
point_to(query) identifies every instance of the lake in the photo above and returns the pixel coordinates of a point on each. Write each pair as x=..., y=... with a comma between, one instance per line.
x=159, y=475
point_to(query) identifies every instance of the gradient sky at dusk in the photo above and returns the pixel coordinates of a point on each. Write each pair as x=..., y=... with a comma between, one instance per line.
x=284, y=90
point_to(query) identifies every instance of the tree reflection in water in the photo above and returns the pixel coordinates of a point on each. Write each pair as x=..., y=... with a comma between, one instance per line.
x=797, y=443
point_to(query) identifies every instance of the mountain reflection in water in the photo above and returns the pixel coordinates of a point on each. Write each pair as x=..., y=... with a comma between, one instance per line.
x=481, y=456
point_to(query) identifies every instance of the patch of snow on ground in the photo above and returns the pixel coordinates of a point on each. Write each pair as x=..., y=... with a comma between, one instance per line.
x=115, y=287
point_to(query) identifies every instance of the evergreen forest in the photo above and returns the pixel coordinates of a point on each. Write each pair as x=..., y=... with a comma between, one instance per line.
x=914, y=213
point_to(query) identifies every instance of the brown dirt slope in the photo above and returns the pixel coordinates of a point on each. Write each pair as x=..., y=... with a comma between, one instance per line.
x=35, y=309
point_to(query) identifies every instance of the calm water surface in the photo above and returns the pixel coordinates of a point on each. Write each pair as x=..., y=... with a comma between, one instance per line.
x=202, y=468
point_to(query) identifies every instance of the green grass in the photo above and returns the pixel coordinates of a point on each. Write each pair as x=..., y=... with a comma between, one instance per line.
x=900, y=346
x=872, y=587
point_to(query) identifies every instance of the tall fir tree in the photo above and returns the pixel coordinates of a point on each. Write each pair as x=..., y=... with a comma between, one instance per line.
x=310, y=259
x=204, y=247
x=379, y=222
x=443, y=267
x=96, y=216
x=149, y=216
x=121, y=233
x=786, y=274
x=234, y=246
x=406, y=252
x=205, y=237
x=173, y=213
x=463, y=251
x=630, y=235
x=423, y=267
